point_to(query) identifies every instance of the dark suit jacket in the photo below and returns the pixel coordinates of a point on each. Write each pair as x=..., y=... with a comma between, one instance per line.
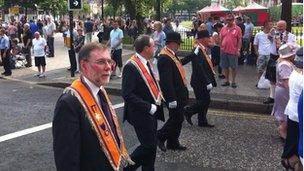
x=137, y=98
x=75, y=143
x=202, y=74
x=171, y=82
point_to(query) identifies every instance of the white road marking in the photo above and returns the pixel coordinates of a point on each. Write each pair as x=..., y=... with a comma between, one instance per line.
x=37, y=128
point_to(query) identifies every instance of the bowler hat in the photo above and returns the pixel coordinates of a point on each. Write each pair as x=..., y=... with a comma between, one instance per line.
x=203, y=34
x=298, y=61
x=174, y=37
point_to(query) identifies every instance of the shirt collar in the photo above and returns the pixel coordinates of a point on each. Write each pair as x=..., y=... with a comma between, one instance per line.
x=94, y=89
x=142, y=59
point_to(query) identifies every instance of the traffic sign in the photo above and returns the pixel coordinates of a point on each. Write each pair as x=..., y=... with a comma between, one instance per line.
x=75, y=5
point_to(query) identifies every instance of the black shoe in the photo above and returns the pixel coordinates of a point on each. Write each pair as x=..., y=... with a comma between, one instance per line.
x=221, y=76
x=188, y=115
x=233, y=85
x=225, y=84
x=269, y=100
x=7, y=74
x=161, y=145
x=26, y=65
x=3, y=73
x=206, y=125
x=178, y=147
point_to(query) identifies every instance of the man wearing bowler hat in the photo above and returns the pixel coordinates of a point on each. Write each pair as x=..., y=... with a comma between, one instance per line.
x=202, y=80
x=173, y=83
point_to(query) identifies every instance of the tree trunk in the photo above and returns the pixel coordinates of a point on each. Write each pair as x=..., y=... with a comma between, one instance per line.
x=157, y=9
x=130, y=8
x=286, y=13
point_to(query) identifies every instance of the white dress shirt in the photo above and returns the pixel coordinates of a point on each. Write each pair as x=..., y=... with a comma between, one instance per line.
x=93, y=88
x=291, y=40
x=144, y=62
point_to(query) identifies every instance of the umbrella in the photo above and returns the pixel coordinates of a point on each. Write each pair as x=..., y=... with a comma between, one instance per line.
x=214, y=9
x=254, y=6
x=205, y=9
x=238, y=8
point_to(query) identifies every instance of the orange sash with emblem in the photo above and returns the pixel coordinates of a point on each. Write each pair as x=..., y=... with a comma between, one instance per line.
x=165, y=51
x=153, y=86
x=117, y=155
x=206, y=57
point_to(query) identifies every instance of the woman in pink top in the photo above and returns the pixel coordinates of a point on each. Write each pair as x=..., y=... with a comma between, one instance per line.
x=283, y=71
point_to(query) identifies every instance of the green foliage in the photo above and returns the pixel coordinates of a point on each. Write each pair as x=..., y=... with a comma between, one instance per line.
x=86, y=8
x=231, y=4
x=57, y=7
x=275, y=13
x=188, y=5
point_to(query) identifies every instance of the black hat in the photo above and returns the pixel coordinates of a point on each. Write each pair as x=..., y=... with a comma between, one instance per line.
x=174, y=37
x=300, y=52
x=298, y=61
x=203, y=34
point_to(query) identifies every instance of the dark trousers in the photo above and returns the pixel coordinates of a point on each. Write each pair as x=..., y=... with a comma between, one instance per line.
x=202, y=96
x=292, y=139
x=144, y=155
x=216, y=57
x=172, y=128
x=6, y=62
x=28, y=56
x=50, y=43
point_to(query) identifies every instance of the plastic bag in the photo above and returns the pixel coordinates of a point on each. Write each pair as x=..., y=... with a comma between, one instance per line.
x=263, y=82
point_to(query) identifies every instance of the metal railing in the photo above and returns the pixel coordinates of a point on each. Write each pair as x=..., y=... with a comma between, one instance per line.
x=188, y=37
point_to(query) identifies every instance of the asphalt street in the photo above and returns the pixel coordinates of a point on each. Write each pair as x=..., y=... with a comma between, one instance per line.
x=238, y=142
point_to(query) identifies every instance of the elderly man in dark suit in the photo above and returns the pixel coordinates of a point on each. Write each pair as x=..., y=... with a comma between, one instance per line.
x=86, y=130
x=202, y=80
x=173, y=83
x=143, y=97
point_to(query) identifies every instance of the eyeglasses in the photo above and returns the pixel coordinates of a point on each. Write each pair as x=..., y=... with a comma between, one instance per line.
x=103, y=62
x=229, y=19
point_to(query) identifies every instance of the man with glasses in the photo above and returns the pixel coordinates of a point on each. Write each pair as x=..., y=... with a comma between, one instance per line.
x=231, y=43
x=143, y=97
x=86, y=131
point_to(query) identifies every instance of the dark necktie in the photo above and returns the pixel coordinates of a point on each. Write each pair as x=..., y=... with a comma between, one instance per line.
x=281, y=38
x=106, y=111
x=151, y=72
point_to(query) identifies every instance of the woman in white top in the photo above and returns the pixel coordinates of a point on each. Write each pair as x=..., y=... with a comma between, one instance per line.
x=290, y=153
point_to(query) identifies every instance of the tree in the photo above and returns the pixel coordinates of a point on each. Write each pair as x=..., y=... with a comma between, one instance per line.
x=194, y=5
x=286, y=13
x=231, y=4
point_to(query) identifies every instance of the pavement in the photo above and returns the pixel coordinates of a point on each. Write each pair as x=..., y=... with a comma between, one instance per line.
x=246, y=97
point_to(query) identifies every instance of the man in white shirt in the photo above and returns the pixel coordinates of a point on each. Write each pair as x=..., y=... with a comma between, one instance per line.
x=50, y=30
x=279, y=37
x=115, y=42
x=262, y=45
x=39, y=47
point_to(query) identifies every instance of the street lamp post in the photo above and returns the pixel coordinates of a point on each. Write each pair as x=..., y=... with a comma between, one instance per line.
x=72, y=51
x=73, y=5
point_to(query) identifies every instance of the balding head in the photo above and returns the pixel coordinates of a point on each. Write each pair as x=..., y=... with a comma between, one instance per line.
x=37, y=35
x=281, y=25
